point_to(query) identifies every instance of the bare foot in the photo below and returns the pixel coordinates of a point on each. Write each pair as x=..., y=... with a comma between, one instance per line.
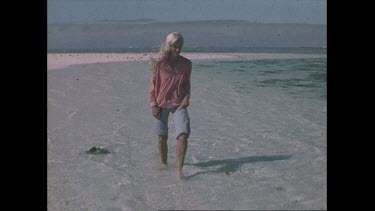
x=163, y=166
x=179, y=174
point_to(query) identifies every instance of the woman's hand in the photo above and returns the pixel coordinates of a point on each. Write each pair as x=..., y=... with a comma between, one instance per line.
x=185, y=102
x=156, y=112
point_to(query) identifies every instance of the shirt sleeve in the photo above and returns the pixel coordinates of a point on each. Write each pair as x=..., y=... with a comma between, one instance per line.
x=151, y=90
x=187, y=82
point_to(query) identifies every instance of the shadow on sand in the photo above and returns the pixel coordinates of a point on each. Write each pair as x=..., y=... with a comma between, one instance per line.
x=232, y=165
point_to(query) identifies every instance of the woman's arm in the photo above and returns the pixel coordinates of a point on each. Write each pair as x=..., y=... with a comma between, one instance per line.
x=185, y=102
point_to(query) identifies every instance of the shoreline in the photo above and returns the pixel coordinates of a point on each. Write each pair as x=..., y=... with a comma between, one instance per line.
x=63, y=60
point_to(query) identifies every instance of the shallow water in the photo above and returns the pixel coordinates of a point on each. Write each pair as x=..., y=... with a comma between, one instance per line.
x=258, y=138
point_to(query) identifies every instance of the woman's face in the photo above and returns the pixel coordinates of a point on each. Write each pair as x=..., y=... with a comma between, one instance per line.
x=176, y=49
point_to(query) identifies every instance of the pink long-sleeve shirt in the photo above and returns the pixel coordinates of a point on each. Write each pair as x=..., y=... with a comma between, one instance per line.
x=168, y=88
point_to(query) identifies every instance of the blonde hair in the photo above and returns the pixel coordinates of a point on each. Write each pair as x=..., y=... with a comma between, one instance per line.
x=165, y=49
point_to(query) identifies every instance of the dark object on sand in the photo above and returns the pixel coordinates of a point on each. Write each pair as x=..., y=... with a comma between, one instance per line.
x=97, y=150
x=279, y=188
x=227, y=173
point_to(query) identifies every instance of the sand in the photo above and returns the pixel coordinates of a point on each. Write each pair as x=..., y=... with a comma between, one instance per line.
x=58, y=60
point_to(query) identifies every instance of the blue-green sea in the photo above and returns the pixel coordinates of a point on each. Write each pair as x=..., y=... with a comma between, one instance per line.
x=300, y=78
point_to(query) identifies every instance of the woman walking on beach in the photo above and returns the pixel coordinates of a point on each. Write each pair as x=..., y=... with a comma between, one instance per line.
x=169, y=93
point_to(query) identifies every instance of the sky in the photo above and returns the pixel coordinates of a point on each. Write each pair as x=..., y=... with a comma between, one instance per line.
x=260, y=11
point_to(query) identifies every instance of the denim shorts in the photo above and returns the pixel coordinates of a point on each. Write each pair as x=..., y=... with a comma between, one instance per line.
x=181, y=121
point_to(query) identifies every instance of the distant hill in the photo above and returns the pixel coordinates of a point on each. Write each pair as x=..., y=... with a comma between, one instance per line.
x=113, y=35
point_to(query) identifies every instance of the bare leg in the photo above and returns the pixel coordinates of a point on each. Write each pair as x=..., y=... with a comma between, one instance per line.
x=163, y=149
x=181, y=151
